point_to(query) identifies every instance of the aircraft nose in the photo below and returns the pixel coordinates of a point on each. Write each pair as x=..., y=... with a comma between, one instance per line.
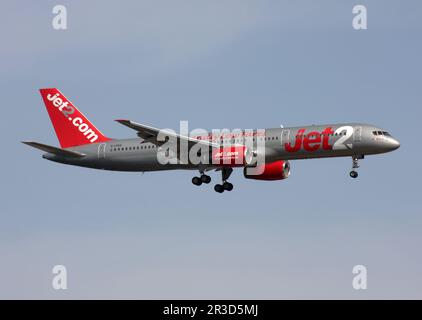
x=395, y=144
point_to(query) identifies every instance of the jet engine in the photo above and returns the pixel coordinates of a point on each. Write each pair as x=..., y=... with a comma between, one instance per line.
x=277, y=170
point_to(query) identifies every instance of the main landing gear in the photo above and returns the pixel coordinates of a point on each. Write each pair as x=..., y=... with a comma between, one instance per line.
x=220, y=188
x=355, y=165
x=197, y=181
x=225, y=174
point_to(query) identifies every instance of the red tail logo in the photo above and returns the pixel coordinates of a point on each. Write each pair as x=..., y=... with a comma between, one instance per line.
x=71, y=126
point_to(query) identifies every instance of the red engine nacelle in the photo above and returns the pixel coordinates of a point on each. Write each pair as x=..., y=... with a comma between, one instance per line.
x=233, y=156
x=277, y=170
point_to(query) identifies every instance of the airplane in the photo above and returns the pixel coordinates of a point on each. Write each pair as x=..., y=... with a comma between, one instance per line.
x=263, y=154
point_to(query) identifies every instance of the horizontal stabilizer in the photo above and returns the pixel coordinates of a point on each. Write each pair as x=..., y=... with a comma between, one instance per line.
x=54, y=150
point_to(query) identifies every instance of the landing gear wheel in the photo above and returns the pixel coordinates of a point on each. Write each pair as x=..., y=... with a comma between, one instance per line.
x=225, y=174
x=219, y=188
x=228, y=186
x=196, y=181
x=353, y=174
x=205, y=179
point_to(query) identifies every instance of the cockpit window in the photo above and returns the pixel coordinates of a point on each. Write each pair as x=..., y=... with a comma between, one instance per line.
x=381, y=133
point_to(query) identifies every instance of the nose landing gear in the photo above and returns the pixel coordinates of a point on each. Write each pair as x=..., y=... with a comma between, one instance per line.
x=225, y=174
x=355, y=165
x=354, y=174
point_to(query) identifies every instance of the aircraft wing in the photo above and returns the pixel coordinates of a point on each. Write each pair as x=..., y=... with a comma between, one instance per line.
x=150, y=134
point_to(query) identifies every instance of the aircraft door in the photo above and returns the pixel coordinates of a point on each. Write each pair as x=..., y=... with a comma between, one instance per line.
x=102, y=151
x=285, y=137
x=357, y=134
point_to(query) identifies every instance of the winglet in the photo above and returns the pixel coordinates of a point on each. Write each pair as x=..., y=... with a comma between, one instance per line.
x=125, y=122
x=144, y=131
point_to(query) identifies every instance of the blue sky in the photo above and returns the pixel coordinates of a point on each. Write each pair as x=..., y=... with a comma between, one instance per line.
x=231, y=64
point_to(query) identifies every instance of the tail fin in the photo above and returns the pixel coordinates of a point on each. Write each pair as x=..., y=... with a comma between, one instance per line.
x=71, y=126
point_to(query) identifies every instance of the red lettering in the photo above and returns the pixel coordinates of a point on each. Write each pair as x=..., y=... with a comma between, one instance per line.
x=298, y=142
x=312, y=141
x=325, y=137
